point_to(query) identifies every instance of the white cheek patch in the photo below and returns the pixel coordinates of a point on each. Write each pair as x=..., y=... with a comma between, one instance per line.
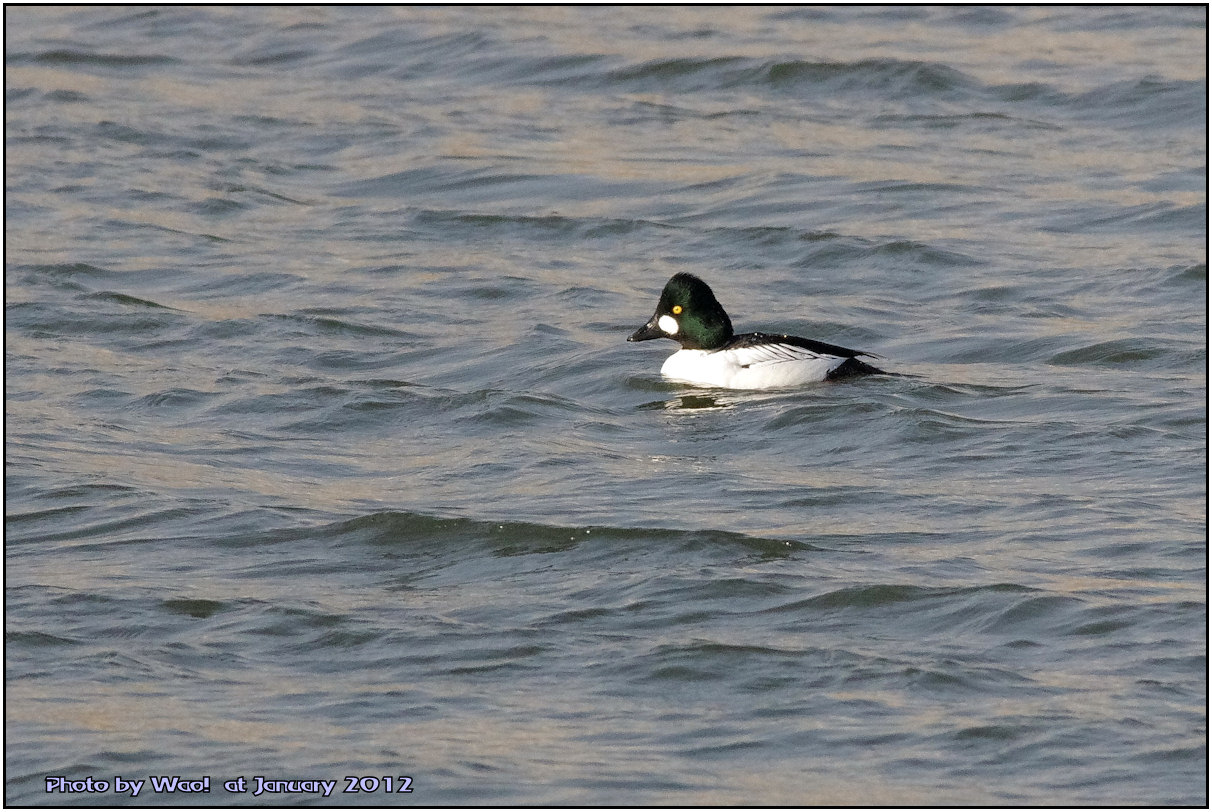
x=669, y=324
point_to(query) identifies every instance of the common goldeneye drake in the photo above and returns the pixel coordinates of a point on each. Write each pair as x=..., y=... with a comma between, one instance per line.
x=712, y=355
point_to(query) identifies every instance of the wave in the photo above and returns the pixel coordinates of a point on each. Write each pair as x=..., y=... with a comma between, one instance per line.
x=508, y=537
x=71, y=57
x=1120, y=352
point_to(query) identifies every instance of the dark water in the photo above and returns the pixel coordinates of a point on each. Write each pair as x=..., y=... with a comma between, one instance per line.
x=326, y=455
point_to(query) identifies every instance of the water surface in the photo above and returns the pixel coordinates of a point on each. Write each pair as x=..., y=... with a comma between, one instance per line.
x=326, y=455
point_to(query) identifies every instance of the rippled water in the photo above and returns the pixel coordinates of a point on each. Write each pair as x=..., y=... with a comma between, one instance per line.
x=326, y=456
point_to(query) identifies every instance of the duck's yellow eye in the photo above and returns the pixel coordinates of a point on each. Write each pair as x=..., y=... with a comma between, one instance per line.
x=677, y=309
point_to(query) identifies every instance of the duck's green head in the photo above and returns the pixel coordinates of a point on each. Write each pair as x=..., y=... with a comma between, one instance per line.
x=689, y=314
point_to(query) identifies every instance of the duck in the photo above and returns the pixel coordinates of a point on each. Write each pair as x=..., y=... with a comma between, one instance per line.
x=713, y=355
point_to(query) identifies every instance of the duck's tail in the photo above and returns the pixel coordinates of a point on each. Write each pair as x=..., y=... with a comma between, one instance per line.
x=852, y=367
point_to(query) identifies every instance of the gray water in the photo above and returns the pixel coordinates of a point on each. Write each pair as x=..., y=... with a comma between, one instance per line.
x=326, y=455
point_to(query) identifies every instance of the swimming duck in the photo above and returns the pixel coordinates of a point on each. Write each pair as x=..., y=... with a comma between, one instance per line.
x=712, y=355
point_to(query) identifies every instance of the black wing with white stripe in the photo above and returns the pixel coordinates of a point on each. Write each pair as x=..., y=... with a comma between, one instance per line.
x=767, y=348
